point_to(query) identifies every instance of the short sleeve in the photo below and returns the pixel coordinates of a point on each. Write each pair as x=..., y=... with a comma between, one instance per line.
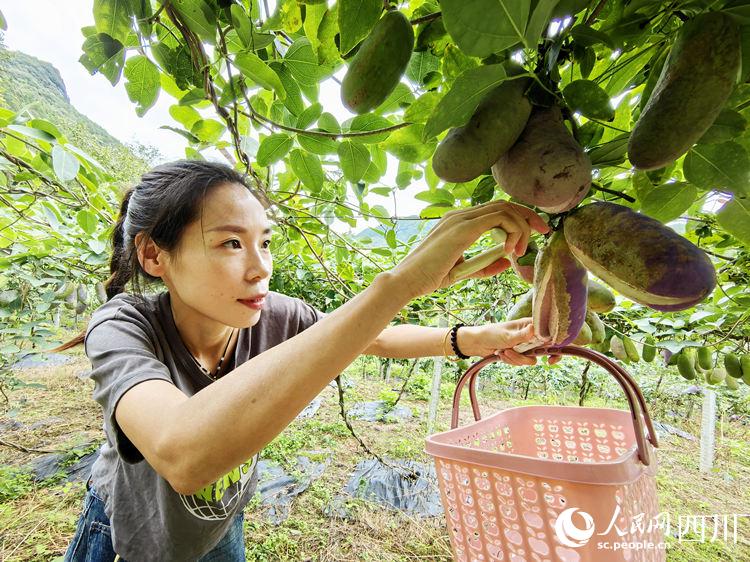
x=308, y=315
x=122, y=355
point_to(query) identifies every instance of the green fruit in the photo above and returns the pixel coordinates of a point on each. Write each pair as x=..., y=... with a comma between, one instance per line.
x=546, y=167
x=101, y=292
x=745, y=364
x=596, y=325
x=64, y=290
x=617, y=347
x=601, y=299
x=716, y=375
x=732, y=383
x=584, y=337
x=71, y=300
x=380, y=62
x=685, y=366
x=705, y=358
x=467, y=152
x=732, y=365
x=746, y=378
x=522, y=308
x=83, y=294
x=630, y=349
x=695, y=83
x=656, y=65
x=649, y=350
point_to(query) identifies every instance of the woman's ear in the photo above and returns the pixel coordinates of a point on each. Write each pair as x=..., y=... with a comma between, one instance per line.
x=152, y=258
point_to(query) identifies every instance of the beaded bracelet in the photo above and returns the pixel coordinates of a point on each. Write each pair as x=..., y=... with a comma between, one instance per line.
x=454, y=344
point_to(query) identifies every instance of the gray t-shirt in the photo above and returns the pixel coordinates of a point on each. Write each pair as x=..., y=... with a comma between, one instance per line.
x=129, y=341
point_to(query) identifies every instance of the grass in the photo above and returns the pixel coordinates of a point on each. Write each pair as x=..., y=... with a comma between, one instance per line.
x=37, y=520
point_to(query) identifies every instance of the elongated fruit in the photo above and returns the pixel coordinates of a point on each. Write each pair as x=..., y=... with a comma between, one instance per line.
x=695, y=83
x=559, y=307
x=597, y=326
x=716, y=375
x=618, y=349
x=601, y=299
x=705, y=358
x=631, y=349
x=468, y=151
x=685, y=367
x=523, y=306
x=732, y=365
x=649, y=349
x=380, y=62
x=639, y=257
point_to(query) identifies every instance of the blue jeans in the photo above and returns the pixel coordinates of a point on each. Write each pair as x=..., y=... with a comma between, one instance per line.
x=92, y=541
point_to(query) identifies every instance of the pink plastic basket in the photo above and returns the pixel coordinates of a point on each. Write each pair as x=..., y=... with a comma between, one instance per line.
x=551, y=483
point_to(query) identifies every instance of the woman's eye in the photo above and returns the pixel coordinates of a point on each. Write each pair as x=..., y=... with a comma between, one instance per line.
x=267, y=244
x=230, y=241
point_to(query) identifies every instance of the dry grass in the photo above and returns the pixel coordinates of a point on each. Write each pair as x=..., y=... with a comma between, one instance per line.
x=39, y=522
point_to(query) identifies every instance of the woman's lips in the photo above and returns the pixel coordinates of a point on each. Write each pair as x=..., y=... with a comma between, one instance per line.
x=255, y=304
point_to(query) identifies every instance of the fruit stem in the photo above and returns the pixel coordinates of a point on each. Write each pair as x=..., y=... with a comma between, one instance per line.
x=479, y=262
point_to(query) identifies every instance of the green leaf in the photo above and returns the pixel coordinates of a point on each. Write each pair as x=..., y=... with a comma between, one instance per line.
x=208, y=130
x=259, y=72
x=273, y=148
x=729, y=124
x=390, y=238
x=734, y=217
x=242, y=24
x=309, y=115
x=45, y=126
x=588, y=36
x=303, y=64
x=354, y=159
x=87, y=221
x=484, y=191
x=422, y=108
x=199, y=17
x=142, y=83
x=113, y=18
x=483, y=27
x=293, y=101
x=717, y=166
x=669, y=201
x=356, y=19
x=587, y=98
x=185, y=115
x=420, y=65
x=369, y=122
x=539, y=20
x=407, y=145
x=66, y=165
x=102, y=53
x=3, y=23
x=459, y=103
x=307, y=168
x=436, y=196
x=435, y=211
x=317, y=144
x=610, y=153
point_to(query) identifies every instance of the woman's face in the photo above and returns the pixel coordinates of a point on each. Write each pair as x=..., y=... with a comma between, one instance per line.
x=224, y=263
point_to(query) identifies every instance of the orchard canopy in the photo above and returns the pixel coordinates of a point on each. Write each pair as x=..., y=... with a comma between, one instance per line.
x=254, y=82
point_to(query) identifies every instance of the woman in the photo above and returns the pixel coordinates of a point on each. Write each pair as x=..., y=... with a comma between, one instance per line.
x=195, y=381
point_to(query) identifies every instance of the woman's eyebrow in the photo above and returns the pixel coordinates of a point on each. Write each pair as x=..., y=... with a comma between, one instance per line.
x=235, y=228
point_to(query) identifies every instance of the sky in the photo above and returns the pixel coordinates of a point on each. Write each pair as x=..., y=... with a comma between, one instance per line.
x=50, y=30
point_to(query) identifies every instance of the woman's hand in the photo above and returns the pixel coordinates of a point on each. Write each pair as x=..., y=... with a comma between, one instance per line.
x=499, y=339
x=428, y=266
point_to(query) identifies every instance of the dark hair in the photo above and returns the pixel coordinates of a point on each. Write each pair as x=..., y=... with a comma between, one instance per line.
x=168, y=198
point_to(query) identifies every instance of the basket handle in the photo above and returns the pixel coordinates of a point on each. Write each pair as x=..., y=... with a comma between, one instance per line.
x=636, y=401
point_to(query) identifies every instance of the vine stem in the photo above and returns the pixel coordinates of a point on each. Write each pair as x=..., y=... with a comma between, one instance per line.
x=596, y=12
x=616, y=193
x=262, y=118
x=424, y=19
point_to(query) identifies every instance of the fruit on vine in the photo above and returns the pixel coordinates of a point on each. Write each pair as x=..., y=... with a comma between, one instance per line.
x=559, y=302
x=65, y=289
x=630, y=349
x=685, y=366
x=705, y=358
x=745, y=364
x=732, y=365
x=698, y=77
x=596, y=325
x=101, y=292
x=584, y=337
x=601, y=299
x=716, y=375
x=468, y=151
x=649, y=349
x=546, y=167
x=83, y=294
x=80, y=307
x=732, y=383
x=522, y=308
x=71, y=300
x=380, y=62
x=639, y=257
x=617, y=348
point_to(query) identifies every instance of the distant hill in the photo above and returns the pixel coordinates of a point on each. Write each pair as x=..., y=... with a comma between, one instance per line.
x=34, y=88
x=405, y=229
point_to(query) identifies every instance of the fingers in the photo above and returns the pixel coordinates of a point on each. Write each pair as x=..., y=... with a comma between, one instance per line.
x=493, y=269
x=519, y=335
x=554, y=359
x=516, y=228
x=514, y=358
